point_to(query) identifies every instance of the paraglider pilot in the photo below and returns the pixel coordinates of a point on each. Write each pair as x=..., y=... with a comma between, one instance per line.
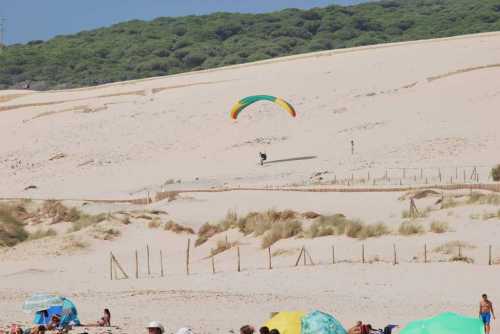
x=263, y=157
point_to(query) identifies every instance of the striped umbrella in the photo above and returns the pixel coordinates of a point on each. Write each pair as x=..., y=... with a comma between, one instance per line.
x=41, y=301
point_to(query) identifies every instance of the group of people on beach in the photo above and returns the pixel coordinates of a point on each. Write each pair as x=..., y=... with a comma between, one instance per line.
x=55, y=325
x=486, y=313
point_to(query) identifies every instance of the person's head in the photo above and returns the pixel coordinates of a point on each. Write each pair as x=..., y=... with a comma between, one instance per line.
x=55, y=319
x=485, y=296
x=274, y=331
x=369, y=327
x=264, y=330
x=155, y=327
x=106, y=311
x=38, y=330
x=247, y=329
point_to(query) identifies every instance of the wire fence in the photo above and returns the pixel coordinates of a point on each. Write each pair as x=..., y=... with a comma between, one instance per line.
x=149, y=263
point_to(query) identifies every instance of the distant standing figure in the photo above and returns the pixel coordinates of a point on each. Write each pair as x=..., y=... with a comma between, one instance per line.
x=352, y=147
x=485, y=312
x=263, y=157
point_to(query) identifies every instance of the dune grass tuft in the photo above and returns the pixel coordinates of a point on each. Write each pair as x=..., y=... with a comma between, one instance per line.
x=205, y=232
x=480, y=198
x=41, y=234
x=451, y=247
x=410, y=228
x=283, y=229
x=439, y=227
x=221, y=246
x=177, y=228
x=338, y=224
x=12, y=229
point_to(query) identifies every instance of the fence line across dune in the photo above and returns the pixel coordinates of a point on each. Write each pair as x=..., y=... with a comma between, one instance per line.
x=456, y=253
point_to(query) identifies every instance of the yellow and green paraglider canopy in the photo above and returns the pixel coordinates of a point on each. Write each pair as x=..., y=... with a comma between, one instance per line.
x=243, y=103
x=286, y=322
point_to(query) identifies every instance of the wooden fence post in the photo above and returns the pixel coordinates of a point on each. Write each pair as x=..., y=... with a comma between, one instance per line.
x=239, y=261
x=187, y=256
x=149, y=264
x=212, y=259
x=136, y=265
x=161, y=263
x=117, y=264
x=111, y=266
x=489, y=256
x=305, y=257
x=395, y=262
x=300, y=255
x=333, y=254
x=459, y=251
x=269, y=256
x=362, y=253
x=425, y=253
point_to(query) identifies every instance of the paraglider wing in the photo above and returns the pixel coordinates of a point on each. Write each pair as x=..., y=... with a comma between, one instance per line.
x=243, y=103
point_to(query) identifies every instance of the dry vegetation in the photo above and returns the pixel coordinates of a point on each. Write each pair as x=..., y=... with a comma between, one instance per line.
x=221, y=246
x=12, y=229
x=480, y=198
x=439, y=227
x=154, y=223
x=282, y=229
x=84, y=220
x=71, y=244
x=177, y=228
x=41, y=234
x=410, y=228
x=168, y=195
x=338, y=224
x=102, y=233
x=420, y=214
x=274, y=225
x=452, y=247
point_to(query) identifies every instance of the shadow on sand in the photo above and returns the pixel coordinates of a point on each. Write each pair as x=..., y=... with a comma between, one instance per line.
x=290, y=159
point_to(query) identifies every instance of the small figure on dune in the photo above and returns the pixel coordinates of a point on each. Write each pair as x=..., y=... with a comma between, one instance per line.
x=263, y=158
x=352, y=147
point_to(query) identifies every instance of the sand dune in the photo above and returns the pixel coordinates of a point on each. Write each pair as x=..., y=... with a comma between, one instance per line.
x=420, y=113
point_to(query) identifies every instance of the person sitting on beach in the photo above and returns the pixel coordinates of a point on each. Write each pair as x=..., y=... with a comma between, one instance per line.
x=264, y=330
x=106, y=319
x=356, y=329
x=247, y=329
x=37, y=330
x=55, y=321
x=155, y=327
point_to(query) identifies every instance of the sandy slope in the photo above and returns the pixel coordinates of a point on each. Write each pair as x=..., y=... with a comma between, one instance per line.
x=425, y=105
